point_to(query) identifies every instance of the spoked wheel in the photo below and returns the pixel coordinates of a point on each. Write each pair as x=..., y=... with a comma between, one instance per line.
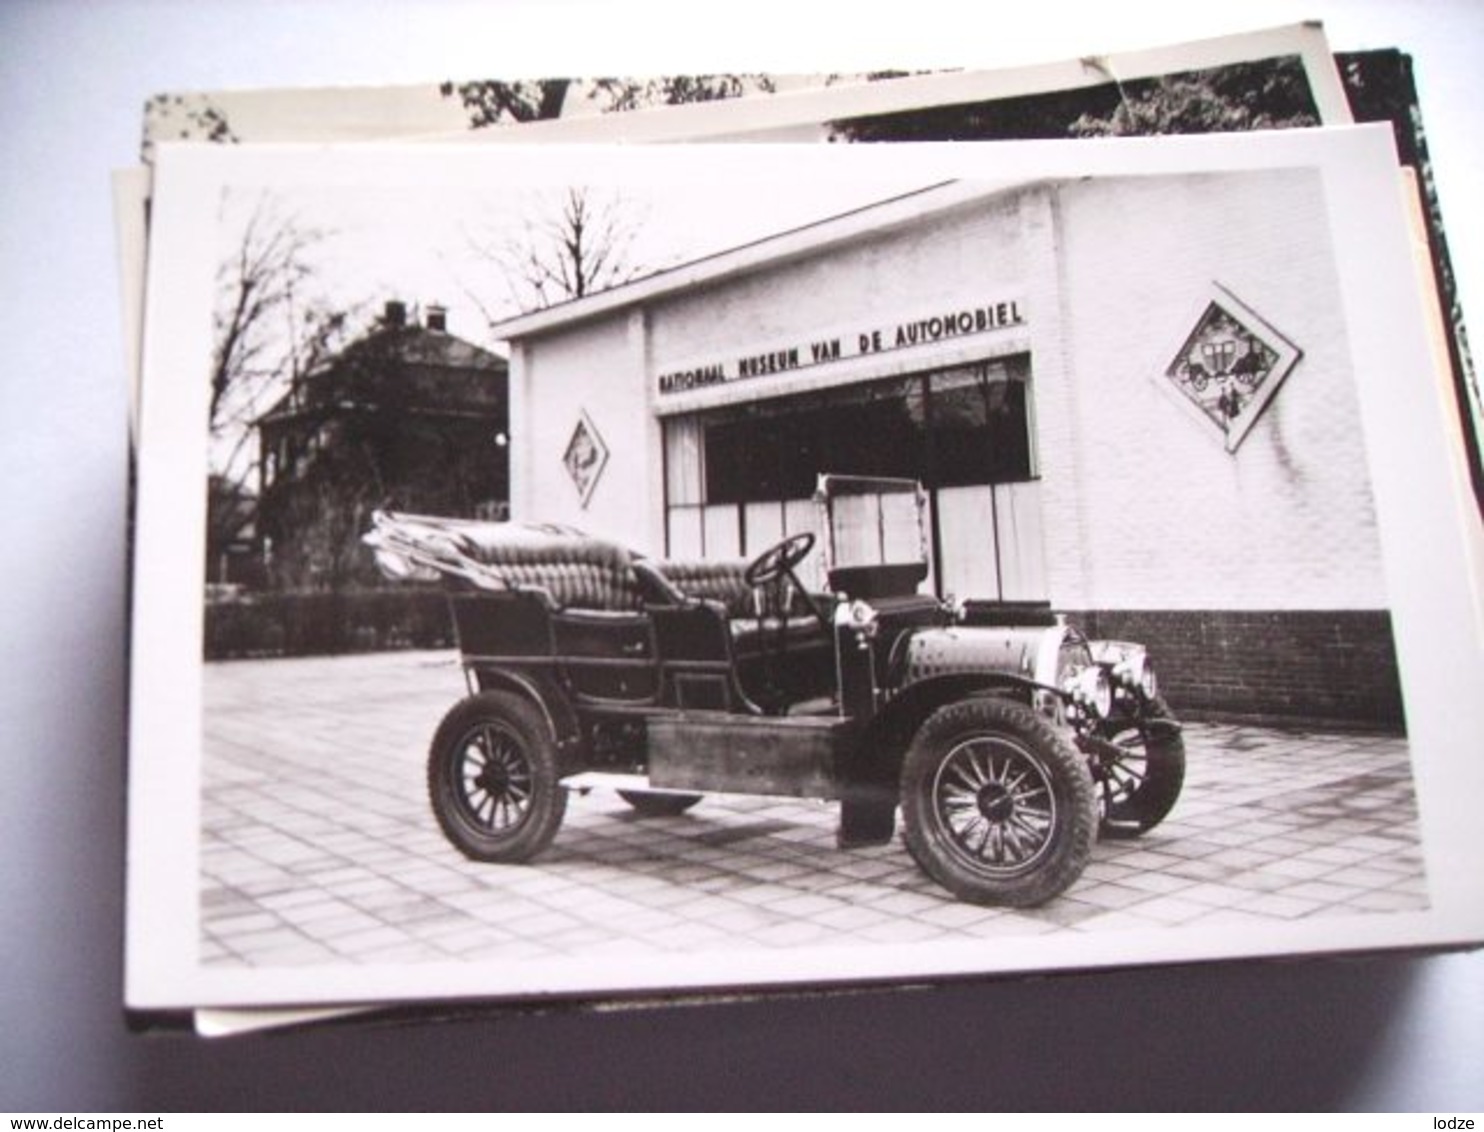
x=1142, y=770
x=493, y=779
x=658, y=805
x=997, y=806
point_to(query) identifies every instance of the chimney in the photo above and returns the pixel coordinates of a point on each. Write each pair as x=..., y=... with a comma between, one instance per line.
x=438, y=318
x=396, y=313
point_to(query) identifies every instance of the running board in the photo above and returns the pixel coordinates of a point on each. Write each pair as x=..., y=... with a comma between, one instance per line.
x=590, y=780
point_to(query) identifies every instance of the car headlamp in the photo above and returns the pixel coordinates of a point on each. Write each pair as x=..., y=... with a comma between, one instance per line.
x=858, y=615
x=1100, y=698
x=1092, y=691
x=1148, y=682
x=1134, y=672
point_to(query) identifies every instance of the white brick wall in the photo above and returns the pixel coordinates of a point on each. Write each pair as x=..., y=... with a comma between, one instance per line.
x=944, y=262
x=1142, y=506
x=1165, y=517
x=598, y=368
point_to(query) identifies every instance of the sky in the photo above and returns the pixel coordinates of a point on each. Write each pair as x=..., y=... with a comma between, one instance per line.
x=418, y=241
x=418, y=244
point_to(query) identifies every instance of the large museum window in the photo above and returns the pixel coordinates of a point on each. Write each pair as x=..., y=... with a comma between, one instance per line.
x=980, y=430
x=775, y=449
x=740, y=477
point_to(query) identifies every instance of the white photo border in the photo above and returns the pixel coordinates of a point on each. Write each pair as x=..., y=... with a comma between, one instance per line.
x=1423, y=554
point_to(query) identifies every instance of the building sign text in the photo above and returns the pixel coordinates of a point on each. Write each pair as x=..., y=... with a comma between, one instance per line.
x=877, y=340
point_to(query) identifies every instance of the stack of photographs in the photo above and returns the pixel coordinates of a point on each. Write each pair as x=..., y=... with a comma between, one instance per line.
x=579, y=572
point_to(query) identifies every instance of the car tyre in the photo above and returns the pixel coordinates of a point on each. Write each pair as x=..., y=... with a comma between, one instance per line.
x=493, y=779
x=657, y=805
x=997, y=805
x=1140, y=787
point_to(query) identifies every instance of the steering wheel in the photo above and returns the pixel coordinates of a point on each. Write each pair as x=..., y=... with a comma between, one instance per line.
x=779, y=559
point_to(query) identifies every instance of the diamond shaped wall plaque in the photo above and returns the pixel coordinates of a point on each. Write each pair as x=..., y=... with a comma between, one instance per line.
x=585, y=458
x=1230, y=366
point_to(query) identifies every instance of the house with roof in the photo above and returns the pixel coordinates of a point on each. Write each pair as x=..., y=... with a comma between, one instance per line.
x=407, y=417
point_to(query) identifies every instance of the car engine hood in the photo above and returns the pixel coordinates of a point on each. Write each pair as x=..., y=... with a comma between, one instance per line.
x=1027, y=652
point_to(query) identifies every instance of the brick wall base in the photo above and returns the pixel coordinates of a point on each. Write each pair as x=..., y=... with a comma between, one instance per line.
x=1304, y=667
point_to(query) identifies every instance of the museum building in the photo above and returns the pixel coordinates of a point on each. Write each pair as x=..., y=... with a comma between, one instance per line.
x=1128, y=396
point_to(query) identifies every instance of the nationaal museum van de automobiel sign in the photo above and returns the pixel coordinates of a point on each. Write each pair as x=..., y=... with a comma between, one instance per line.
x=957, y=323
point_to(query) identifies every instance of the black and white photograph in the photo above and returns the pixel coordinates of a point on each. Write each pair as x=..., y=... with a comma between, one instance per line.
x=1277, y=78
x=1291, y=65
x=645, y=557
x=635, y=571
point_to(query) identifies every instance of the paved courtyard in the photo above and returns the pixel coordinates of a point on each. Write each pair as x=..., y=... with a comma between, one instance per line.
x=318, y=843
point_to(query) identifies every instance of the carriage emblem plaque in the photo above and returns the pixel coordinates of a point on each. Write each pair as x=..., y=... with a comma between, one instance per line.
x=1230, y=365
x=585, y=458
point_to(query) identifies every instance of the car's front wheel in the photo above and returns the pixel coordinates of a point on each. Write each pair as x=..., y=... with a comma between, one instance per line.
x=493, y=779
x=1142, y=770
x=997, y=806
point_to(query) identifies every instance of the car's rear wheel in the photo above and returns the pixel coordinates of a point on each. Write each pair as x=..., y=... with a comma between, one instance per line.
x=658, y=805
x=997, y=806
x=493, y=779
x=1142, y=772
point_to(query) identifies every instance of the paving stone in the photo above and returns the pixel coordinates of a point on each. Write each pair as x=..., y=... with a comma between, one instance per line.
x=1224, y=917
x=337, y=927
x=1155, y=882
x=849, y=918
x=363, y=943
x=791, y=933
x=1171, y=909
x=1211, y=895
x=901, y=931
x=1205, y=869
x=1297, y=868
x=1253, y=880
x=1323, y=891
x=744, y=918
x=803, y=904
x=1188, y=848
x=1118, y=920
x=409, y=952
x=301, y=953
x=905, y=903
x=1337, y=855
x=224, y=902
x=1111, y=895
x=1386, y=900
x=276, y=939
x=1279, y=905
x=211, y=951
x=1067, y=911
x=670, y=897
x=242, y=925
x=296, y=898
x=1243, y=858
x=319, y=846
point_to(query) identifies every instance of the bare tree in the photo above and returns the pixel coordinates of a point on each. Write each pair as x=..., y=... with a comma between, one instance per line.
x=572, y=244
x=270, y=329
x=270, y=326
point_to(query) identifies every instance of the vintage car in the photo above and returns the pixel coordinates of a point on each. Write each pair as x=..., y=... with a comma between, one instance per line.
x=1008, y=740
